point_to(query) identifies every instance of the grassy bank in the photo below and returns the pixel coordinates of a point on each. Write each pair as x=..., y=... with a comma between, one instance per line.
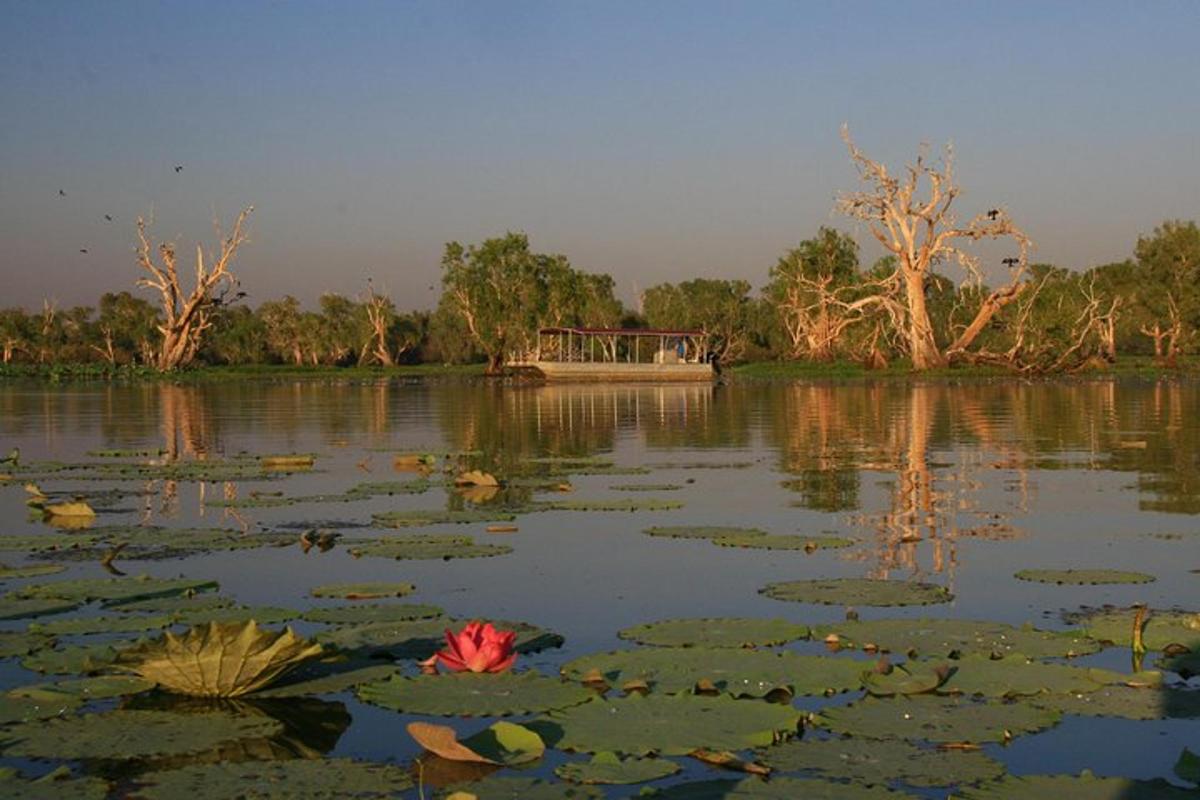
x=66, y=373
x=1129, y=366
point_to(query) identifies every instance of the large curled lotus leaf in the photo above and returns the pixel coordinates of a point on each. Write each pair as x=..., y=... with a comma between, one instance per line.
x=219, y=659
x=1017, y=676
x=77, y=626
x=419, y=518
x=879, y=763
x=506, y=788
x=115, y=591
x=781, y=788
x=474, y=694
x=55, y=785
x=431, y=547
x=667, y=724
x=701, y=531
x=1083, y=577
x=25, y=607
x=126, y=734
x=609, y=768
x=1159, y=629
x=936, y=719
x=97, y=687
x=15, y=708
x=29, y=571
x=419, y=639
x=502, y=743
x=21, y=643
x=358, y=614
x=716, y=632
x=327, y=677
x=363, y=591
x=742, y=673
x=76, y=659
x=1075, y=787
x=858, y=592
x=291, y=779
x=623, y=504
x=943, y=637
x=1127, y=702
x=793, y=541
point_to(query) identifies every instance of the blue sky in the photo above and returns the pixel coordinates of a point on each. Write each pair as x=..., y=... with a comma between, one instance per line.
x=657, y=141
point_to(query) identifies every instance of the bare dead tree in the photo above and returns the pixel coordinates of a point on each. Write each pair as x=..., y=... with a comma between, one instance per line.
x=912, y=217
x=107, y=352
x=380, y=315
x=187, y=313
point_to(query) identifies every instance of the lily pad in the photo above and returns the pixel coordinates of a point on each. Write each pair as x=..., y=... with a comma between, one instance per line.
x=99, y=687
x=716, y=632
x=858, y=592
x=115, y=591
x=1126, y=702
x=878, y=763
x=328, y=678
x=775, y=789
x=914, y=677
x=54, y=785
x=701, y=531
x=130, y=734
x=75, y=626
x=505, y=788
x=72, y=659
x=412, y=519
x=363, y=591
x=358, y=614
x=1161, y=628
x=669, y=724
x=23, y=608
x=14, y=708
x=649, y=504
x=609, y=768
x=936, y=719
x=263, y=615
x=788, y=542
x=1083, y=577
x=29, y=571
x=646, y=487
x=420, y=639
x=476, y=695
x=502, y=743
x=1075, y=787
x=944, y=637
x=293, y=779
x=750, y=673
x=21, y=643
x=1186, y=664
x=184, y=603
x=429, y=547
x=1016, y=676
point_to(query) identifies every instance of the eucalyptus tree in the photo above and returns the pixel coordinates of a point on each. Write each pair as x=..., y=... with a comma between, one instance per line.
x=1168, y=263
x=16, y=333
x=282, y=321
x=127, y=327
x=720, y=308
x=812, y=292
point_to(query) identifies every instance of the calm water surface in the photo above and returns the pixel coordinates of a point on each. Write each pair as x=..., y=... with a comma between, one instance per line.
x=956, y=484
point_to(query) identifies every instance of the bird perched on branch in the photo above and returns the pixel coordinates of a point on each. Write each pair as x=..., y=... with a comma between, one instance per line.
x=995, y=212
x=1011, y=262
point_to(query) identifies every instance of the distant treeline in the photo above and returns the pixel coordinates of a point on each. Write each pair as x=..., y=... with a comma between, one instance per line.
x=498, y=293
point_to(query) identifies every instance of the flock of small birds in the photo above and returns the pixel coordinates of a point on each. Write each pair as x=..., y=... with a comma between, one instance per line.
x=109, y=217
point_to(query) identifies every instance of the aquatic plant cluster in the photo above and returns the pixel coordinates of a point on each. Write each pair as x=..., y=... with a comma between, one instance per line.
x=160, y=685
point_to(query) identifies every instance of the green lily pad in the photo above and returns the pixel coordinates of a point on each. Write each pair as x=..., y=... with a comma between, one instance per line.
x=44, y=542
x=1126, y=702
x=420, y=639
x=646, y=487
x=858, y=592
x=115, y=591
x=793, y=541
x=878, y=763
x=21, y=643
x=293, y=779
x=914, y=677
x=1082, y=577
x=1187, y=767
x=701, y=531
x=505, y=788
x=649, y=504
x=476, y=695
x=363, y=591
x=750, y=673
x=936, y=719
x=609, y=768
x=263, y=615
x=500, y=744
x=1160, y=629
x=327, y=678
x=183, y=603
x=130, y=734
x=944, y=637
x=14, y=708
x=668, y=724
x=412, y=519
x=1016, y=676
x=356, y=614
x=22, y=608
x=72, y=659
x=29, y=571
x=716, y=632
x=430, y=547
x=53, y=786
x=775, y=789
x=1186, y=664
x=1075, y=787
x=75, y=626
x=99, y=687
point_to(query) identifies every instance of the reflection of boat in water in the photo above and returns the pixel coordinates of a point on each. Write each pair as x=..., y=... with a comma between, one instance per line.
x=618, y=354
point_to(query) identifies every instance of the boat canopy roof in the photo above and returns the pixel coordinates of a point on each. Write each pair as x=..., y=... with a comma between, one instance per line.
x=622, y=332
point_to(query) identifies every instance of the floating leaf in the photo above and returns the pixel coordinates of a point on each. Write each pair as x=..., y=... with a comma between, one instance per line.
x=774, y=789
x=1187, y=767
x=54, y=785
x=14, y=708
x=944, y=637
x=914, y=677
x=115, y=591
x=751, y=673
x=646, y=487
x=129, y=734
x=417, y=518
x=22, y=607
x=668, y=724
x=716, y=632
x=474, y=694
x=185, y=603
x=293, y=779
x=219, y=660
x=29, y=571
x=358, y=614
x=89, y=625
x=504, y=788
x=1187, y=664
x=701, y=531
x=789, y=542
x=858, y=592
x=1126, y=702
x=99, y=687
x=327, y=677
x=363, y=591
x=936, y=719
x=263, y=615
x=878, y=763
x=20, y=643
x=1075, y=787
x=1162, y=628
x=649, y=504
x=77, y=509
x=72, y=659
x=442, y=547
x=1016, y=676
x=609, y=768
x=502, y=743
x=476, y=477
x=1082, y=577
x=289, y=461
x=422, y=638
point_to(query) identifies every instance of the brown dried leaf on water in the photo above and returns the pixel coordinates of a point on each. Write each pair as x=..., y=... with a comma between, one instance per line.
x=727, y=760
x=476, y=477
x=501, y=529
x=298, y=461
x=79, y=509
x=635, y=685
x=503, y=743
x=478, y=495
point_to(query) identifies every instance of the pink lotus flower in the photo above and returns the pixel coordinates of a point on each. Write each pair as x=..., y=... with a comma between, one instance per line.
x=478, y=647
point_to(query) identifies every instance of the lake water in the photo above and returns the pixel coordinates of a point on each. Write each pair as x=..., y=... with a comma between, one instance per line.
x=958, y=484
